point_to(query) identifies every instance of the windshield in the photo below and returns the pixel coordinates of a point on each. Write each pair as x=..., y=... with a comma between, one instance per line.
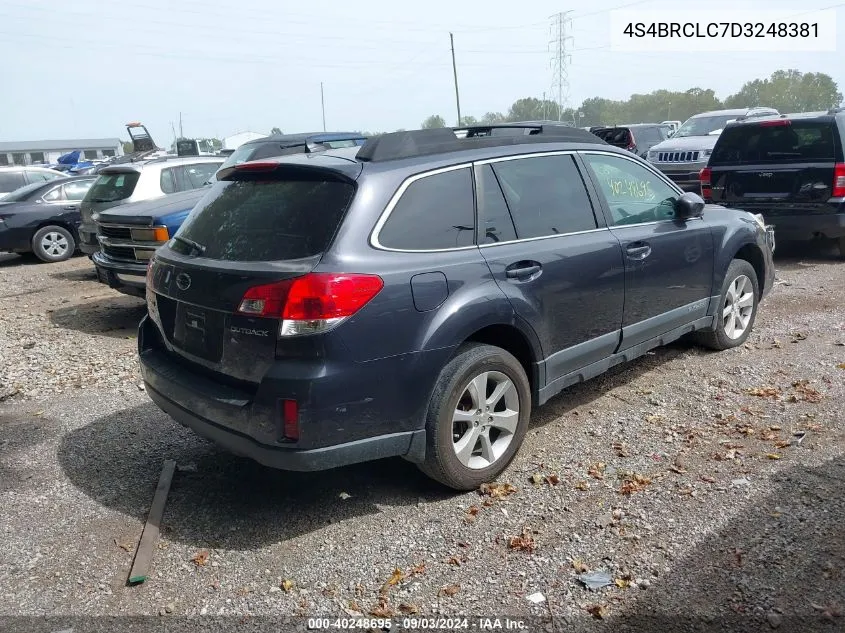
x=704, y=125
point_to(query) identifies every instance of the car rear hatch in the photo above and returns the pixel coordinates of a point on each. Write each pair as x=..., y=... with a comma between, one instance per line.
x=777, y=167
x=616, y=136
x=111, y=188
x=222, y=292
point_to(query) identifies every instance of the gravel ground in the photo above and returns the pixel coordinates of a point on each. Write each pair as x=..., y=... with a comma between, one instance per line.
x=707, y=485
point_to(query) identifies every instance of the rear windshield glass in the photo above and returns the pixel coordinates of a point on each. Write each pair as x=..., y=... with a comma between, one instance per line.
x=113, y=187
x=257, y=151
x=799, y=141
x=266, y=220
x=22, y=193
x=619, y=137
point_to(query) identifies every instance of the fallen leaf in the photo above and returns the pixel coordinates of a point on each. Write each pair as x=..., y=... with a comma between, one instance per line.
x=200, y=558
x=635, y=483
x=409, y=609
x=582, y=485
x=580, y=566
x=473, y=510
x=395, y=578
x=419, y=569
x=496, y=490
x=806, y=392
x=708, y=479
x=620, y=449
x=450, y=590
x=841, y=366
x=382, y=609
x=553, y=479
x=524, y=542
x=287, y=586
x=454, y=560
x=654, y=419
x=536, y=479
x=783, y=443
x=772, y=455
x=596, y=471
x=123, y=546
x=764, y=392
x=622, y=583
x=598, y=611
x=345, y=496
x=38, y=413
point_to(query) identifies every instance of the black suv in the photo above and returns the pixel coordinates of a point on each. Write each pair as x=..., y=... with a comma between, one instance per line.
x=789, y=168
x=419, y=295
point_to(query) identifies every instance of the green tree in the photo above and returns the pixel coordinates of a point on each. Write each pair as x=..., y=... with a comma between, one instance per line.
x=128, y=147
x=788, y=91
x=469, y=121
x=531, y=109
x=492, y=118
x=435, y=120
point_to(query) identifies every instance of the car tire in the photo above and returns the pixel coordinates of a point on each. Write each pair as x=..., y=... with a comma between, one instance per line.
x=53, y=244
x=468, y=444
x=735, y=315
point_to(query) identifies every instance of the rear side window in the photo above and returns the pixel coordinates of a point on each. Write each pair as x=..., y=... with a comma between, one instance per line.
x=435, y=212
x=199, y=174
x=771, y=144
x=76, y=190
x=167, y=180
x=546, y=196
x=11, y=180
x=113, y=187
x=266, y=220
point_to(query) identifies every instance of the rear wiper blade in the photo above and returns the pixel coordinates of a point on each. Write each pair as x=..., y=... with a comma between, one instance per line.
x=196, y=246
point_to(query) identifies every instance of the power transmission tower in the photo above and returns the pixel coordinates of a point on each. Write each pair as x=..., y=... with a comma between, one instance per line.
x=560, y=44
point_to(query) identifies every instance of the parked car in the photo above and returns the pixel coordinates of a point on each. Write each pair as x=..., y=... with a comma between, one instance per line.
x=130, y=234
x=685, y=154
x=282, y=144
x=789, y=168
x=353, y=309
x=43, y=218
x=12, y=178
x=637, y=138
x=141, y=180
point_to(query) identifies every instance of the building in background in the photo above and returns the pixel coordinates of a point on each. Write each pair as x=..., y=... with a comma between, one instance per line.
x=48, y=152
x=236, y=140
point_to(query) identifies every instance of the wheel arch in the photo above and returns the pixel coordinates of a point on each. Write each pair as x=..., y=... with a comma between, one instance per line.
x=752, y=254
x=516, y=341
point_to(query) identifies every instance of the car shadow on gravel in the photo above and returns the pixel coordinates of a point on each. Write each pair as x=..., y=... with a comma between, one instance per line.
x=84, y=274
x=117, y=317
x=790, y=253
x=219, y=500
x=18, y=434
x=779, y=562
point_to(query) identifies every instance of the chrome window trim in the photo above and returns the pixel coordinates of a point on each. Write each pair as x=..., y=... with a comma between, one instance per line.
x=394, y=200
x=543, y=237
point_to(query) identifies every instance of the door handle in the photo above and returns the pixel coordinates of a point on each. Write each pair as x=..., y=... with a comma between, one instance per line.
x=638, y=250
x=520, y=273
x=71, y=207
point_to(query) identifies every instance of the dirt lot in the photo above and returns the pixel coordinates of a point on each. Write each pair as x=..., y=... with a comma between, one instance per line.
x=709, y=486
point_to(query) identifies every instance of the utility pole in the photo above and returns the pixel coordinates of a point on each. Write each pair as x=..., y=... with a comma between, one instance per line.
x=173, y=127
x=181, y=133
x=544, y=106
x=561, y=24
x=455, y=73
x=323, y=104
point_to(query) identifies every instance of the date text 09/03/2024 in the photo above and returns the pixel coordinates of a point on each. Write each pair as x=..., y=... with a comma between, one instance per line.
x=722, y=29
x=419, y=624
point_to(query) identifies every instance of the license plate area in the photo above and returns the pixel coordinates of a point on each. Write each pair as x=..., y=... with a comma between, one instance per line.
x=199, y=331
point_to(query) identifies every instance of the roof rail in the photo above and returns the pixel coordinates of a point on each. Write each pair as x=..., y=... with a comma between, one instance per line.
x=409, y=144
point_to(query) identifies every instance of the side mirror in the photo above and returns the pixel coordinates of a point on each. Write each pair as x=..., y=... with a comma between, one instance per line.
x=689, y=205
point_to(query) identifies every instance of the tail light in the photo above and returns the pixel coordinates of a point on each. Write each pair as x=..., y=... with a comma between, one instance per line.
x=313, y=303
x=290, y=419
x=632, y=142
x=775, y=123
x=704, y=177
x=839, y=181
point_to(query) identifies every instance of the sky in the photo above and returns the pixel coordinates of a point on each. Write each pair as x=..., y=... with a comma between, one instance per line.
x=84, y=68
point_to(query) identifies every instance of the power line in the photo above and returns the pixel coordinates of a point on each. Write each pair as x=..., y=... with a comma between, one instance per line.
x=560, y=58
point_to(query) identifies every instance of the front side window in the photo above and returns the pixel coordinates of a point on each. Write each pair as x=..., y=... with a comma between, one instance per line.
x=633, y=193
x=546, y=196
x=435, y=212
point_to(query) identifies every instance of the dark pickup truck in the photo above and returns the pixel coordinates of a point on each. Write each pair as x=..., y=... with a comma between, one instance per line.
x=788, y=168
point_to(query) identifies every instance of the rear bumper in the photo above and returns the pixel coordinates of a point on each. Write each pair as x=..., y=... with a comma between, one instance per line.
x=348, y=412
x=126, y=277
x=807, y=226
